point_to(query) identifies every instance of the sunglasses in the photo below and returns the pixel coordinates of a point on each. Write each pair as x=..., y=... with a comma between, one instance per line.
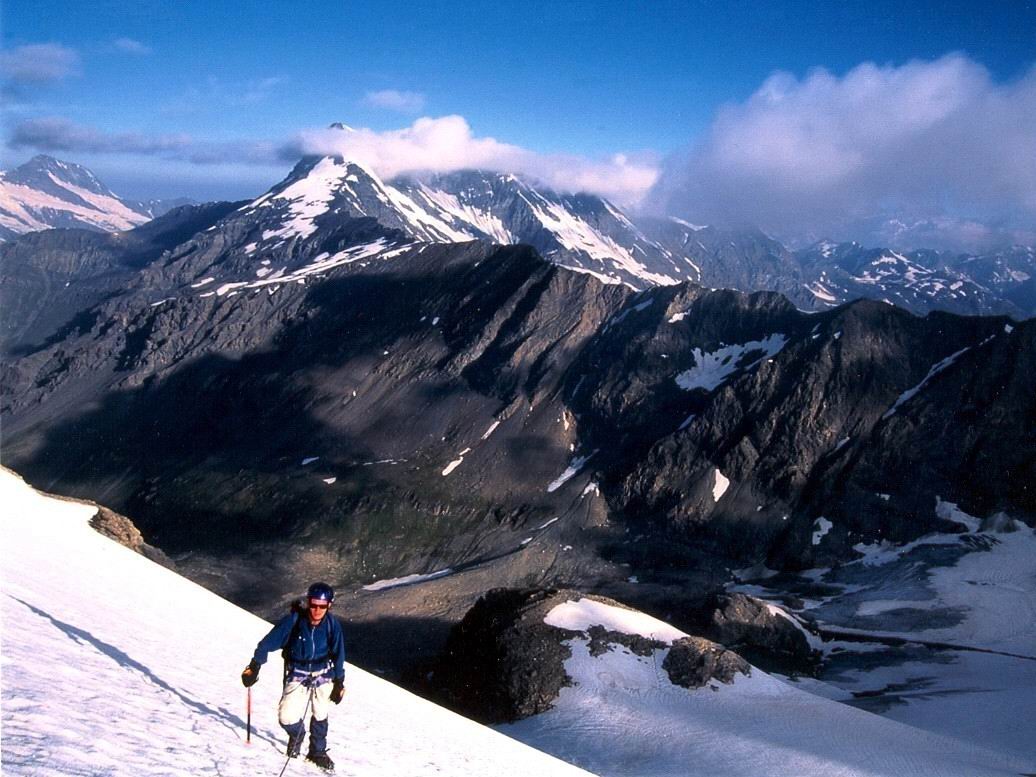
x=316, y=606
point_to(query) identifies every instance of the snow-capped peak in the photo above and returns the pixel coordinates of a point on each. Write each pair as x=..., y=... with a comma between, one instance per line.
x=582, y=232
x=45, y=193
x=332, y=185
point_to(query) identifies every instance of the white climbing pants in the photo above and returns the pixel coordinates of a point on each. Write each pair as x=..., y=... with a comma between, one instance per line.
x=296, y=694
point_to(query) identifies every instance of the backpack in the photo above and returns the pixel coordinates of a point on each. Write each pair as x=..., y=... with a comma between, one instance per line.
x=298, y=607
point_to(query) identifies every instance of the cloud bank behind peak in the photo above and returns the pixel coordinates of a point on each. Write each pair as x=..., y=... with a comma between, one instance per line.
x=820, y=155
x=447, y=143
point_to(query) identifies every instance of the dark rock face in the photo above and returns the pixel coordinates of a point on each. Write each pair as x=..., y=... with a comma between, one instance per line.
x=219, y=398
x=692, y=662
x=805, y=433
x=121, y=529
x=502, y=662
x=603, y=641
x=746, y=624
x=49, y=281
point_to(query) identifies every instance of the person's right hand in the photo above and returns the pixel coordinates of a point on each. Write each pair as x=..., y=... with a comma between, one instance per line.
x=250, y=676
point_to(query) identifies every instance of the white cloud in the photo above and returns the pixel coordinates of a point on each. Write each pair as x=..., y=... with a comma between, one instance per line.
x=428, y=145
x=927, y=138
x=39, y=63
x=131, y=46
x=447, y=143
x=403, y=102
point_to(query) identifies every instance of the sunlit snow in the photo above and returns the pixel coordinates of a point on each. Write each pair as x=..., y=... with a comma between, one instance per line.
x=622, y=716
x=720, y=484
x=570, y=471
x=821, y=526
x=28, y=207
x=114, y=665
x=714, y=367
x=397, y=582
x=581, y=614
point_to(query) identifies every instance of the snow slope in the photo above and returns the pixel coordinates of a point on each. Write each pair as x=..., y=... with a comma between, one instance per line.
x=113, y=665
x=624, y=717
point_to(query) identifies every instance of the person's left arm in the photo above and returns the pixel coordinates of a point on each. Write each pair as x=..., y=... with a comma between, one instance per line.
x=337, y=649
x=338, y=652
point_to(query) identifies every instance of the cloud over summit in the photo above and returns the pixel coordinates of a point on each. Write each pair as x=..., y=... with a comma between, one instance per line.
x=810, y=155
x=447, y=143
x=433, y=145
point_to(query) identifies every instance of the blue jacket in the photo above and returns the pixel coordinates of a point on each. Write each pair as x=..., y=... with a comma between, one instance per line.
x=313, y=649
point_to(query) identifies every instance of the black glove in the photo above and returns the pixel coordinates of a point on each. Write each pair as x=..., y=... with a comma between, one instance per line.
x=337, y=690
x=250, y=676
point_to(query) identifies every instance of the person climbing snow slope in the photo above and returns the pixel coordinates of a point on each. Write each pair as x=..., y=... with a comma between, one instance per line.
x=313, y=647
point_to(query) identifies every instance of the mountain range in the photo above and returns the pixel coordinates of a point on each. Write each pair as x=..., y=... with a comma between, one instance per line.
x=424, y=397
x=583, y=232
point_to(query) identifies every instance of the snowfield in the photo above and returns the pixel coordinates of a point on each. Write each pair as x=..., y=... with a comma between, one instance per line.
x=624, y=717
x=113, y=665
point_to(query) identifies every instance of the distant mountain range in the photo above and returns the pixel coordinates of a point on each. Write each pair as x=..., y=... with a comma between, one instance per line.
x=583, y=232
x=46, y=193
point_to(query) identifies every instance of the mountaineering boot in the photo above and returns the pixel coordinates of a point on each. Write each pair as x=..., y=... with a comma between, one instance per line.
x=322, y=760
x=296, y=733
x=295, y=744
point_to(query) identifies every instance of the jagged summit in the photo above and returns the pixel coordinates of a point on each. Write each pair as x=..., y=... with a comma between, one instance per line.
x=582, y=231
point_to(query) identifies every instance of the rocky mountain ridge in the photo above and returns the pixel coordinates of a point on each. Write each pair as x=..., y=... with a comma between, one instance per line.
x=467, y=394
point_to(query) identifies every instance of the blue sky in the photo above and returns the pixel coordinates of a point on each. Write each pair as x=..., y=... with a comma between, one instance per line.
x=202, y=99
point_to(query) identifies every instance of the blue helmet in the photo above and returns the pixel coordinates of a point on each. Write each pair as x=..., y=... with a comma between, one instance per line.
x=322, y=592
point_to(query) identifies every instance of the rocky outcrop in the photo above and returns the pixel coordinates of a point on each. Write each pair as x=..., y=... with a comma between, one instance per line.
x=503, y=662
x=757, y=631
x=693, y=662
x=121, y=529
